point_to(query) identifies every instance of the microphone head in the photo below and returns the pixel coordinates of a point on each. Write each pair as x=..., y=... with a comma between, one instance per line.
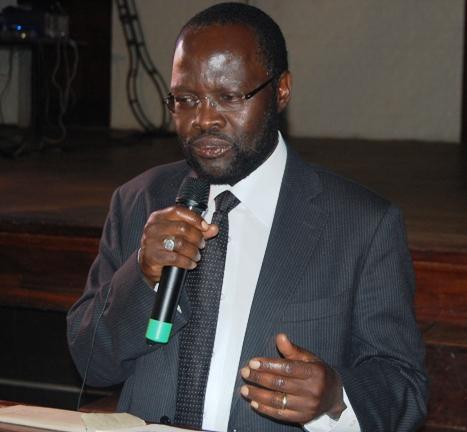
x=194, y=194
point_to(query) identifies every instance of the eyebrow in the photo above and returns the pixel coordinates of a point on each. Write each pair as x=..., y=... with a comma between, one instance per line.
x=179, y=88
x=185, y=88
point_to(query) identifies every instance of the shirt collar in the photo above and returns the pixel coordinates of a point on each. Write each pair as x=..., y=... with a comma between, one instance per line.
x=259, y=191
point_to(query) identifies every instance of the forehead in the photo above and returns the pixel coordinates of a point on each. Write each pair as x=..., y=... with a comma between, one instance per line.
x=217, y=55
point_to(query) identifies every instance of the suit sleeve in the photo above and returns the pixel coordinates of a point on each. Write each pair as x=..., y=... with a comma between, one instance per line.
x=108, y=322
x=386, y=382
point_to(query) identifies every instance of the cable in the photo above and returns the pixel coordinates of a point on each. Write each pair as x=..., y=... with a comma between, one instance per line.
x=9, y=146
x=47, y=90
x=93, y=341
x=127, y=18
x=132, y=93
x=65, y=91
x=153, y=73
x=7, y=83
x=139, y=56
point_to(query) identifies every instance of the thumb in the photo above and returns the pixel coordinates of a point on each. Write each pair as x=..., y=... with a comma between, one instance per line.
x=290, y=351
x=211, y=231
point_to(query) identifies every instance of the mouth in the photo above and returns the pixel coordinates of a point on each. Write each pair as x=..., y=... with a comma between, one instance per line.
x=209, y=147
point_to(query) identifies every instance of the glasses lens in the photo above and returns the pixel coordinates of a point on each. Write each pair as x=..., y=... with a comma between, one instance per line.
x=222, y=102
x=228, y=101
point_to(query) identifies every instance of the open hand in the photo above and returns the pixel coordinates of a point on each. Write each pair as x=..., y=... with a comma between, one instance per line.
x=296, y=388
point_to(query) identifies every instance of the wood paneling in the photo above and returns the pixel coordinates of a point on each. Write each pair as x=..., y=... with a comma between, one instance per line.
x=441, y=286
x=43, y=271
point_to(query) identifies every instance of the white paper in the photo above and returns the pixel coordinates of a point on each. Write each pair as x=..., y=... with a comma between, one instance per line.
x=109, y=422
x=44, y=418
x=73, y=421
x=156, y=428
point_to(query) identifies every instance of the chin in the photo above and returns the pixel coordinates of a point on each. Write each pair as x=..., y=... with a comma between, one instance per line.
x=216, y=171
x=215, y=174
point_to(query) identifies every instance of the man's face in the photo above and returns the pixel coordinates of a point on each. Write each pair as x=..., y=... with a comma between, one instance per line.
x=223, y=147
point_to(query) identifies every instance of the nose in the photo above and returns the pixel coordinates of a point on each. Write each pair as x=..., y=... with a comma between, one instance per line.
x=206, y=116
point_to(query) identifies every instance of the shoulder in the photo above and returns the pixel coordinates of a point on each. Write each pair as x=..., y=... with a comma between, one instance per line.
x=151, y=190
x=155, y=178
x=329, y=188
x=354, y=207
x=339, y=190
x=155, y=184
x=135, y=200
x=345, y=203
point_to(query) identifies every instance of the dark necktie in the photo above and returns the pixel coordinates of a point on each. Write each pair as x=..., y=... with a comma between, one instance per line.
x=203, y=287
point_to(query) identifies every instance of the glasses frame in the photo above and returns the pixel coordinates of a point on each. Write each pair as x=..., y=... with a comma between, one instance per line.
x=169, y=99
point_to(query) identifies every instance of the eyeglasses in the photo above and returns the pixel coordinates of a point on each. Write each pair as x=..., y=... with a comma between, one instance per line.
x=221, y=102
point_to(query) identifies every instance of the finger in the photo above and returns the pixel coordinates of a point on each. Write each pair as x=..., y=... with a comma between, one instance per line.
x=211, y=232
x=180, y=231
x=153, y=254
x=277, y=382
x=293, y=352
x=181, y=246
x=174, y=259
x=274, y=399
x=283, y=367
x=284, y=415
x=151, y=265
x=194, y=219
x=179, y=213
x=153, y=259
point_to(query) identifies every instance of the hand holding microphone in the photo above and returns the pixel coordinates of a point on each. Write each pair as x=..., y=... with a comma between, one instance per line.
x=170, y=246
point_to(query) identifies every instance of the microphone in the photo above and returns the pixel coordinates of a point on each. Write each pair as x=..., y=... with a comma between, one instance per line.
x=193, y=194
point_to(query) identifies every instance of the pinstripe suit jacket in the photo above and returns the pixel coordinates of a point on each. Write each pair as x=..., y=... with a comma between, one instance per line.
x=336, y=277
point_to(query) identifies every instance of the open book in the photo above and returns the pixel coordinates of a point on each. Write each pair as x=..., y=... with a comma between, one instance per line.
x=73, y=421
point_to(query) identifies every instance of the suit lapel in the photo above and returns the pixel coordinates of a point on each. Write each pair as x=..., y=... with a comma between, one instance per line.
x=296, y=228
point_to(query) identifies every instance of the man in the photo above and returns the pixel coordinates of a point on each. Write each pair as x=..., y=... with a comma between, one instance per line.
x=316, y=303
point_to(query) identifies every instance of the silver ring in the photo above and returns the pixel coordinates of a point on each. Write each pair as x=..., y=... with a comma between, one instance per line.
x=284, y=401
x=169, y=243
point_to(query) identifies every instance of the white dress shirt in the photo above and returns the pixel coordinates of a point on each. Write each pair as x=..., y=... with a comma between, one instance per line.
x=249, y=227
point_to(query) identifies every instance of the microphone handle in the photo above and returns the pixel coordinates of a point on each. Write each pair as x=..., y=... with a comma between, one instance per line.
x=167, y=297
x=193, y=195
x=165, y=306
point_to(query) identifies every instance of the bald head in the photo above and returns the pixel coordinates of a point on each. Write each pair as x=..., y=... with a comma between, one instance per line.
x=271, y=45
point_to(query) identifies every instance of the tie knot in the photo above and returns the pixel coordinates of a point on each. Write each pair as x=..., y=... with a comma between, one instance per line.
x=226, y=201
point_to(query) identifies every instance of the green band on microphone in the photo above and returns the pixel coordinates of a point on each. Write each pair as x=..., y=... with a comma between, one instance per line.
x=158, y=331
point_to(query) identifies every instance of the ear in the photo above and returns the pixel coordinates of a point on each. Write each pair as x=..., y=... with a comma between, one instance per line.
x=283, y=90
